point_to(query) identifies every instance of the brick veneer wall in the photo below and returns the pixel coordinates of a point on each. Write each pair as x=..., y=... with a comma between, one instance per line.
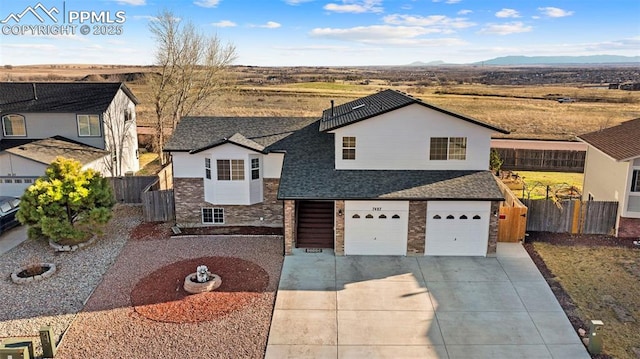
x=189, y=199
x=492, y=245
x=338, y=245
x=417, y=228
x=289, y=226
x=629, y=227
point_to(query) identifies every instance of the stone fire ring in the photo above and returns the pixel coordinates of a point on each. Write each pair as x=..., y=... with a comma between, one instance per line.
x=195, y=287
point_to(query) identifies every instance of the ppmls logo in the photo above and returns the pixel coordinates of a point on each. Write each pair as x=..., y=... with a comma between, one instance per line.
x=65, y=22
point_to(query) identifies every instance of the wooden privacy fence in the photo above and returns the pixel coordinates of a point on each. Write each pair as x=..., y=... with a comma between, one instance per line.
x=512, y=220
x=542, y=160
x=128, y=189
x=575, y=216
x=158, y=206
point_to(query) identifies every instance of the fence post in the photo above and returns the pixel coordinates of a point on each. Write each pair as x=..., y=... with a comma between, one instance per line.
x=575, y=222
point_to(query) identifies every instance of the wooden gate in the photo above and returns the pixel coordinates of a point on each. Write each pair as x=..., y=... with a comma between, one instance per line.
x=512, y=220
x=512, y=224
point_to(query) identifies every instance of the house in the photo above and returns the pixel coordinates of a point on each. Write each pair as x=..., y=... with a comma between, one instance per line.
x=387, y=174
x=94, y=123
x=612, y=172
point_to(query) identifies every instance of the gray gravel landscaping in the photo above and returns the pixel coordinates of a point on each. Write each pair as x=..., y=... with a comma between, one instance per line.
x=56, y=301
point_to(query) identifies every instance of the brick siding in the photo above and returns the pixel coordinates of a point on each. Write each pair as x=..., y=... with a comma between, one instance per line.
x=289, y=226
x=189, y=199
x=338, y=245
x=492, y=244
x=417, y=228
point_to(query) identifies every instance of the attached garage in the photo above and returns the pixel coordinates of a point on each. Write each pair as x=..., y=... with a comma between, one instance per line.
x=457, y=228
x=376, y=227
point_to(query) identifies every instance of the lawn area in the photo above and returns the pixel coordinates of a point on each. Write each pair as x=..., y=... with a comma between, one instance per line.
x=603, y=282
x=537, y=182
x=149, y=164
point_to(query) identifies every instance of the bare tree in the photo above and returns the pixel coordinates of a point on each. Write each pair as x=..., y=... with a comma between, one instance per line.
x=192, y=69
x=118, y=122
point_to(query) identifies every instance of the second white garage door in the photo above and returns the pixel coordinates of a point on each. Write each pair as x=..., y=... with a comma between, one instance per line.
x=376, y=227
x=457, y=228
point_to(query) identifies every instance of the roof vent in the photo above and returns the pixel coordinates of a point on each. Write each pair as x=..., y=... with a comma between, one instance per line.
x=332, y=105
x=35, y=93
x=357, y=107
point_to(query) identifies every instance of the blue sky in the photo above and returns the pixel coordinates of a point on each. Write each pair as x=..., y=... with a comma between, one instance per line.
x=324, y=32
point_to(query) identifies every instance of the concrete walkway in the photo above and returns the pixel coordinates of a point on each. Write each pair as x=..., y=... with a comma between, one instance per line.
x=12, y=238
x=418, y=307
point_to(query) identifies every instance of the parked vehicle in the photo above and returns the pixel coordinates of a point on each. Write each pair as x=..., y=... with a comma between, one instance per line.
x=8, y=209
x=566, y=100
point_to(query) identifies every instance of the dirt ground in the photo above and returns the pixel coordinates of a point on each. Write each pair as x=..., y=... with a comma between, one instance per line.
x=594, y=277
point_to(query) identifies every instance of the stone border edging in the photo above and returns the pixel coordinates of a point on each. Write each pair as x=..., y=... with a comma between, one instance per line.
x=71, y=248
x=225, y=235
x=18, y=280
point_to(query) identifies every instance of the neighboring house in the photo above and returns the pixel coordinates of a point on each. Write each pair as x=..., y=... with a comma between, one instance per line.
x=612, y=172
x=386, y=174
x=94, y=123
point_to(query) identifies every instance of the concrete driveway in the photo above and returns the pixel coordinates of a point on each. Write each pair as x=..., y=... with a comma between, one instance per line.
x=418, y=307
x=12, y=238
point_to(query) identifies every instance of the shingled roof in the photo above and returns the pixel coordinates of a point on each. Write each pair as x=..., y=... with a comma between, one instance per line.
x=48, y=149
x=309, y=173
x=621, y=142
x=380, y=103
x=77, y=97
x=195, y=134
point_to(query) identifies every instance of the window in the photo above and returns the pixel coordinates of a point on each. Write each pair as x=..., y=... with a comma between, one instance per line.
x=368, y=216
x=437, y=216
x=14, y=125
x=451, y=217
x=230, y=170
x=464, y=217
x=448, y=148
x=88, y=125
x=477, y=217
x=128, y=116
x=635, y=181
x=213, y=215
x=207, y=168
x=356, y=216
x=348, y=148
x=382, y=216
x=255, y=168
x=395, y=216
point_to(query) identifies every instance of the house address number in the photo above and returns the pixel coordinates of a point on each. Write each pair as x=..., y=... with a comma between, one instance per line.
x=377, y=208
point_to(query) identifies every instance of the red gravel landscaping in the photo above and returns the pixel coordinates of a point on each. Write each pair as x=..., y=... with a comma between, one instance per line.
x=231, y=322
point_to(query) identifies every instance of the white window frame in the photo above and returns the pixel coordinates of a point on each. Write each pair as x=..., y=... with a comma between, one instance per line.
x=635, y=174
x=217, y=215
x=255, y=170
x=233, y=176
x=459, y=157
x=4, y=127
x=88, y=118
x=207, y=168
x=349, y=148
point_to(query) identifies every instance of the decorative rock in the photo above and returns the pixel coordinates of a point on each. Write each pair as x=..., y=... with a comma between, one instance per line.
x=72, y=248
x=194, y=287
x=582, y=332
x=48, y=273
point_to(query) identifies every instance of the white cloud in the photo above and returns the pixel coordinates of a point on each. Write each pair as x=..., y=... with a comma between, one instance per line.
x=554, y=12
x=505, y=29
x=507, y=13
x=207, y=3
x=444, y=23
x=465, y=12
x=224, y=23
x=145, y=17
x=131, y=2
x=355, y=6
x=385, y=34
x=452, y=1
x=268, y=25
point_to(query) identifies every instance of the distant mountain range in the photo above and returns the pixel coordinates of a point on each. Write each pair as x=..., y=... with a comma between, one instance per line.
x=544, y=60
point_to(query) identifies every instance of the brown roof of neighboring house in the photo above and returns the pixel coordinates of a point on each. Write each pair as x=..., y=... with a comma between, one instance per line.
x=47, y=150
x=621, y=142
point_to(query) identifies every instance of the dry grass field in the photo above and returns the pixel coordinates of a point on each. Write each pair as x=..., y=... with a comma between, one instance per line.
x=527, y=111
x=603, y=283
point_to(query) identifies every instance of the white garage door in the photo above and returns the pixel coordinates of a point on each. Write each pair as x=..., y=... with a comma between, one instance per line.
x=376, y=227
x=457, y=228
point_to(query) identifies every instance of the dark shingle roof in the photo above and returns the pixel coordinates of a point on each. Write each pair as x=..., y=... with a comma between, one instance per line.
x=78, y=97
x=257, y=133
x=621, y=142
x=308, y=173
x=379, y=103
x=48, y=149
